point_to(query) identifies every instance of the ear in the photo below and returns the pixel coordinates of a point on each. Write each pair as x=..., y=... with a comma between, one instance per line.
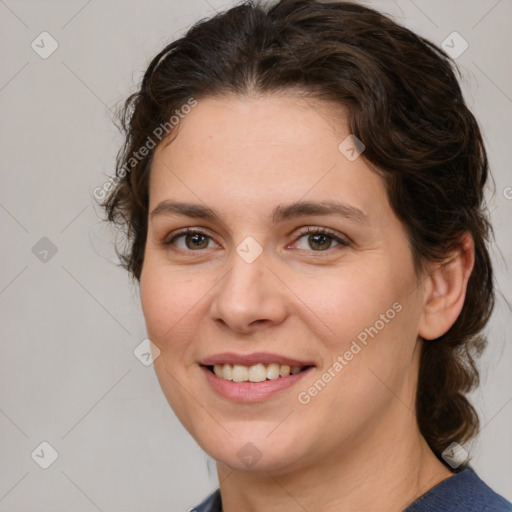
x=445, y=290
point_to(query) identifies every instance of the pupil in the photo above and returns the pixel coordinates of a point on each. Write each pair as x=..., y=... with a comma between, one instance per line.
x=196, y=237
x=320, y=236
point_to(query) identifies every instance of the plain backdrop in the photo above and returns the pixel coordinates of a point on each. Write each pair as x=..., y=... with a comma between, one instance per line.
x=71, y=320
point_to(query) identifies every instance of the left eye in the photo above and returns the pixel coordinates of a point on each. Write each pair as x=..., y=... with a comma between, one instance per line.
x=320, y=239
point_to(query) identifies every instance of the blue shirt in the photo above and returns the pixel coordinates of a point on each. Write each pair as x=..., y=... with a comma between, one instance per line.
x=462, y=492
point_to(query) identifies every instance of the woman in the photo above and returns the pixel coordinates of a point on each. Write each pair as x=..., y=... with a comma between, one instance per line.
x=302, y=190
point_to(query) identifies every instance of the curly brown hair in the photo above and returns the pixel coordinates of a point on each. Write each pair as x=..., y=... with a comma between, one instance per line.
x=403, y=101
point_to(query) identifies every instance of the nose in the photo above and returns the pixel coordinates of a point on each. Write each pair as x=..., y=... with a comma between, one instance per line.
x=250, y=297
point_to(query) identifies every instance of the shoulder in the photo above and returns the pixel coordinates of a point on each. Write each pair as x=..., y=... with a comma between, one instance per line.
x=464, y=491
x=211, y=504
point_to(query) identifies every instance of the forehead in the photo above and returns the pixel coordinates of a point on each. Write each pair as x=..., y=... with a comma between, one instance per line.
x=253, y=120
x=257, y=152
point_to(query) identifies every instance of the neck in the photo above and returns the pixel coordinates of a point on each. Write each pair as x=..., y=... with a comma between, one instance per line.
x=391, y=467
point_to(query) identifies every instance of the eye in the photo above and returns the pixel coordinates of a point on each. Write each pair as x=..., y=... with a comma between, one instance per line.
x=192, y=240
x=320, y=239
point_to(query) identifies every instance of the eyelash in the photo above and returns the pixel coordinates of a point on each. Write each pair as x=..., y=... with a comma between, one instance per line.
x=307, y=231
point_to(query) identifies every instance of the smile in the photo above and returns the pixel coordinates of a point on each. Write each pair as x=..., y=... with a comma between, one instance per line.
x=253, y=377
x=255, y=373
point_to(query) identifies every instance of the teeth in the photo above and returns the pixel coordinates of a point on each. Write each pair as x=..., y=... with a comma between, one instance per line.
x=240, y=373
x=272, y=371
x=256, y=373
x=227, y=371
x=284, y=370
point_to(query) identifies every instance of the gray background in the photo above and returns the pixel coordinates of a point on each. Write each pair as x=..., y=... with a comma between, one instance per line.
x=70, y=323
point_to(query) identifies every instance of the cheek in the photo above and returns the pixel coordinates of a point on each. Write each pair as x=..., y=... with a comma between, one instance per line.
x=157, y=303
x=168, y=302
x=350, y=300
x=369, y=319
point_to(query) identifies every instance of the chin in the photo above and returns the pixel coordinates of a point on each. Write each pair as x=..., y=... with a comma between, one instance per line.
x=255, y=453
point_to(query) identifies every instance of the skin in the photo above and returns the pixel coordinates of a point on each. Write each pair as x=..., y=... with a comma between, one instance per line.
x=356, y=443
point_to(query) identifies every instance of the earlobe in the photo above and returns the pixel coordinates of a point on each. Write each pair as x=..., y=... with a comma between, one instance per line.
x=445, y=290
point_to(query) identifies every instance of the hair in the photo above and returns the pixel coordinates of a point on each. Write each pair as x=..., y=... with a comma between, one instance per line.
x=403, y=101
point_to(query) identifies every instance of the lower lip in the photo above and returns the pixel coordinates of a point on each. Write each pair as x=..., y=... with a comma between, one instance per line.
x=252, y=391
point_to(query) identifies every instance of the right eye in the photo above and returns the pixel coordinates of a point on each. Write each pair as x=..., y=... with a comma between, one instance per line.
x=193, y=240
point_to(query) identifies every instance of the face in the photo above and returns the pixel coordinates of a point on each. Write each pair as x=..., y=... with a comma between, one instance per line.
x=293, y=258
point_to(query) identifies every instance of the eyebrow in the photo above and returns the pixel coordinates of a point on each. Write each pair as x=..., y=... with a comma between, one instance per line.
x=279, y=214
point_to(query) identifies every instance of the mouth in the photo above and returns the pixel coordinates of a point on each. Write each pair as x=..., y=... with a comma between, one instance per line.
x=253, y=378
x=255, y=373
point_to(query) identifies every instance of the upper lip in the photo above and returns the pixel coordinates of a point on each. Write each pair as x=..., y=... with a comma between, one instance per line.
x=253, y=359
